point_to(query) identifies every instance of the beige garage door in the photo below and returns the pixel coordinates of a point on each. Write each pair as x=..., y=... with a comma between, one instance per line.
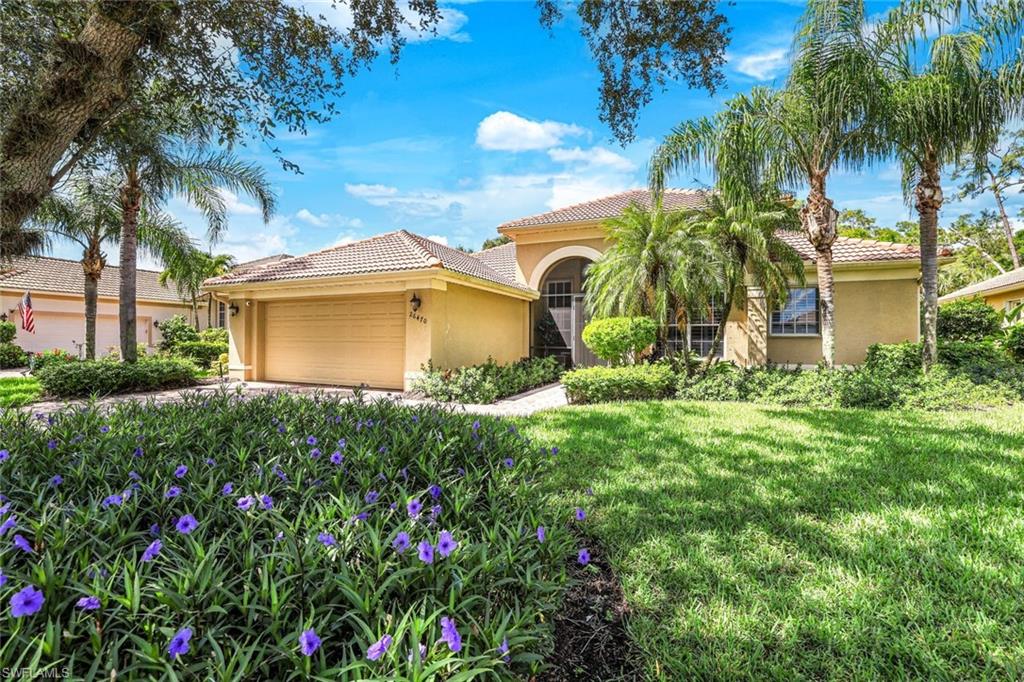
x=347, y=341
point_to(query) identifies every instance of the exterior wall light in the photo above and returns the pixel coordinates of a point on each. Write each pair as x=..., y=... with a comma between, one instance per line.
x=414, y=302
x=233, y=308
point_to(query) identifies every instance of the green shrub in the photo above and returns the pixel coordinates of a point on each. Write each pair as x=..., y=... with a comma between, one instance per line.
x=104, y=377
x=620, y=340
x=967, y=319
x=7, y=332
x=632, y=382
x=1013, y=341
x=175, y=330
x=320, y=555
x=723, y=381
x=11, y=355
x=487, y=382
x=49, y=357
x=220, y=365
x=202, y=352
x=895, y=358
x=214, y=334
x=942, y=389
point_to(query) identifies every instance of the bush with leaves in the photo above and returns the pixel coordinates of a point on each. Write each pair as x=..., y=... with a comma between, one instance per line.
x=175, y=330
x=967, y=319
x=1013, y=341
x=49, y=357
x=283, y=537
x=214, y=335
x=12, y=355
x=8, y=330
x=620, y=340
x=202, y=352
x=105, y=377
x=630, y=382
x=487, y=382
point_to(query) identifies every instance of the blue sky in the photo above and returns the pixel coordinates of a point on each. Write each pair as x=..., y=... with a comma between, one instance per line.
x=491, y=120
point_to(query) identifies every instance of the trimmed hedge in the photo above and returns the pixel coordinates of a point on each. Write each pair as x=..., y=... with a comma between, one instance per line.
x=202, y=352
x=967, y=319
x=633, y=382
x=104, y=377
x=620, y=340
x=12, y=355
x=485, y=383
x=1014, y=341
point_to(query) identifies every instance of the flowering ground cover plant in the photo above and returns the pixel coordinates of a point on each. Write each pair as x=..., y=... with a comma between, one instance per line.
x=276, y=537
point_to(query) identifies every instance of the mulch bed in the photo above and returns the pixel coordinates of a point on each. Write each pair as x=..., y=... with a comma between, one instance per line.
x=590, y=629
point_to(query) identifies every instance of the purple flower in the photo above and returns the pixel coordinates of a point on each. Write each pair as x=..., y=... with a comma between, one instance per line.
x=4, y=455
x=52, y=444
x=134, y=475
x=280, y=473
x=414, y=507
x=308, y=642
x=503, y=650
x=151, y=551
x=180, y=471
x=245, y=503
x=104, y=429
x=280, y=428
x=401, y=542
x=228, y=488
x=186, y=524
x=446, y=544
x=268, y=502
x=337, y=457
x=361, y=516
x=509, y=462
x=580, y=514
x=112, y=500
x=310, y=440
x=3, y=579
x=26, y=602
x=210, y=461
x=154, y=529
x=435, y=511
x=313, y=454
x=23, y=544
x=426, y=553
x=342, y=443
x=371, y=497
x=423, y=653
x=378, y=648
x=88, y=603
x=138, y=452
x=541, y=534
x=554, y=450
x=590, y=492
x=435, y=491
x=179, y=643
x=172, y=492
x=7, y=525
x=56, y=481
x=583, y=557
x=450, y=634
x=476, y=425
x=326, y=539
x=279, y=536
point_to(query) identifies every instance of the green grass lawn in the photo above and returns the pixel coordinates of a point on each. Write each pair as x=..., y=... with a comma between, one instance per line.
x=17, y=391
x=758, y=542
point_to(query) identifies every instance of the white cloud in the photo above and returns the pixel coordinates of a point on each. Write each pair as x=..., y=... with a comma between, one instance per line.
x=439, y=238
x=365, y=191
x=449, y=27
x=327, y=219
x=315, y=220
x=235, y=205
x=595, y=157
x=505, y=131
x=763, y=65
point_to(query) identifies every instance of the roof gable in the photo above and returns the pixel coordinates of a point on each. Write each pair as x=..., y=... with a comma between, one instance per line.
x=63, y=276
x=1006, y=280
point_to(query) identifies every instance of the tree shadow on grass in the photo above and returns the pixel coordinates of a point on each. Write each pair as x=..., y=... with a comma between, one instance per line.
x=764, y=542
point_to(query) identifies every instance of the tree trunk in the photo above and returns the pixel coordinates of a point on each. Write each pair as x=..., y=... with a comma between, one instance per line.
x=131, y=197
x=92, y=266
x=928, y=201
x=819, y=217
x=716, y=343
x=1007, y=228
x=209, y=311
x=87, y=81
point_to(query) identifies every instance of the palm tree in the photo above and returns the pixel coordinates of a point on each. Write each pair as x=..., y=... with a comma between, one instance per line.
x=147, y=154
x=751, y=250
x=656, y=266
x=795, y=136
x=89, y=215
x=188, y=275
x=939, y=109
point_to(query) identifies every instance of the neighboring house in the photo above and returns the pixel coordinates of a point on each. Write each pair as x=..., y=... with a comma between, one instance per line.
x=376, y=310
x=58, y=302
x=1003, y=292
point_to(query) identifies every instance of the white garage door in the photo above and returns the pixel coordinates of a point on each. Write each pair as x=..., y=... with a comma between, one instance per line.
x=348, y=341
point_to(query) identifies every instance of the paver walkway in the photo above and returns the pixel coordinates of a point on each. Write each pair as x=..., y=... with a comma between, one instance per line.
x=543, y=398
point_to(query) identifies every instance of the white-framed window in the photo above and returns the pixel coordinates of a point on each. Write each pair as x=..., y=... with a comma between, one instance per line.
x=799, y=317
x=700, y=333
x=222, y=315
x=558, y=293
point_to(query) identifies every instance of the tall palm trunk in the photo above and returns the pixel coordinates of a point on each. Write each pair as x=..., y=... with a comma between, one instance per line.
x=131, y=198
x=92, y=267
x=819, y=217
x=928, y=201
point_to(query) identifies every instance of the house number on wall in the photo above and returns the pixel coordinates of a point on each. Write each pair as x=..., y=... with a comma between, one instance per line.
x=418, y=317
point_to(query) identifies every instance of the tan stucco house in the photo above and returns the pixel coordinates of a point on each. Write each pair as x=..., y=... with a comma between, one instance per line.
x=57, y=289
x=374, y=311
x=1004, y=292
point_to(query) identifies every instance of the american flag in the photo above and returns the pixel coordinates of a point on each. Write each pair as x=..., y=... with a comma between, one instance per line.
x=25, y=308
